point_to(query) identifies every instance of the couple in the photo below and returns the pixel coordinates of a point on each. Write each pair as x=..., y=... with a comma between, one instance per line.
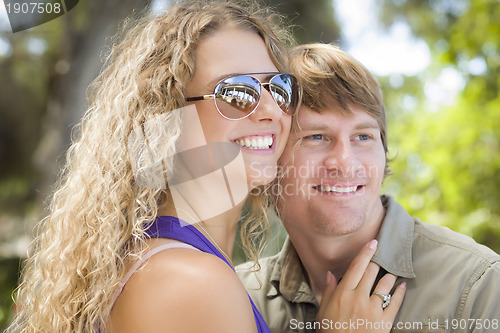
x=188, y=122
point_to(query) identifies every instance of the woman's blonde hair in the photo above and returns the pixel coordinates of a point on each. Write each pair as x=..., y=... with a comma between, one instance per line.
x=99, y=211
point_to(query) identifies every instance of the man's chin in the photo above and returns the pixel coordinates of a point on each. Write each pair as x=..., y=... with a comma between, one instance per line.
x=338, y=224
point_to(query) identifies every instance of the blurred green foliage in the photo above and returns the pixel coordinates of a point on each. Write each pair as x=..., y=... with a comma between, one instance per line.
x=26, y=75
x=447, y=161
x=446, y=155
x=8, y=279
x=308, y=23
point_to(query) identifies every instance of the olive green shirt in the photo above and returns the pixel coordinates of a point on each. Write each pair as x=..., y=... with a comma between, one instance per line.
x=453, y=283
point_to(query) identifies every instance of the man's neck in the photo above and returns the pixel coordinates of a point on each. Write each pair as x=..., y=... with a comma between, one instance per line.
x=320, y=253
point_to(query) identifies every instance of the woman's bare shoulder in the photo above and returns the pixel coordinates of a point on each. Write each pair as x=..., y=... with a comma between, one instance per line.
x=183, y=290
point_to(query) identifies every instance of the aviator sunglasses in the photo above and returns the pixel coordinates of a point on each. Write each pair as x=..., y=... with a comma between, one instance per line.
x=237, y=96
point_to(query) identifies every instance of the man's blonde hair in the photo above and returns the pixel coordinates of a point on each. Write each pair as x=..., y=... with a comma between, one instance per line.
x=331, y=77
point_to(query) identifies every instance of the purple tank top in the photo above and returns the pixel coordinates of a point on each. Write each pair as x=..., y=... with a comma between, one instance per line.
x=174, y=228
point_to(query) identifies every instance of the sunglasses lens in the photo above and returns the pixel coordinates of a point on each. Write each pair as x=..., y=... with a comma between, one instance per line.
x=284, y=89
x=237, y=96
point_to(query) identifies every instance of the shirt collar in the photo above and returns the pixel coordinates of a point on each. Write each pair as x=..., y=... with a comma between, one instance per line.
x=288, y=277
x=395, y=240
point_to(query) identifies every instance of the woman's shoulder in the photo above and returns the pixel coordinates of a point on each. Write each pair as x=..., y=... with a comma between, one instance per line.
x=185, y=265
x=183, y=290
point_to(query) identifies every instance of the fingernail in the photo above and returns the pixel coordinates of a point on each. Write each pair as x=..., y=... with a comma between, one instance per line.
x=402, y=285
x=329, y=277
x=373, y=244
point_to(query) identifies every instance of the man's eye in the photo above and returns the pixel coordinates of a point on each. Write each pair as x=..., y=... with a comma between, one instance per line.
x=363, y=137
x=315, y=137
x=314, y=140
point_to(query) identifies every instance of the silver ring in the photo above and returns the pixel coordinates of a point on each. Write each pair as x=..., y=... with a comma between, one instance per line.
x=385, y=298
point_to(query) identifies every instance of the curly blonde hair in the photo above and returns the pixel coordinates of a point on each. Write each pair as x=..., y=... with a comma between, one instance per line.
x=99, y=212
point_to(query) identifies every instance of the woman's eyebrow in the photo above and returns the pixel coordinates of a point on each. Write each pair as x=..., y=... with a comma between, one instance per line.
x=219, y=78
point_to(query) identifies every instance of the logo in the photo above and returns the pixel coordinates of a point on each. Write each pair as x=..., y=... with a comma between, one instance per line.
x=204, y=179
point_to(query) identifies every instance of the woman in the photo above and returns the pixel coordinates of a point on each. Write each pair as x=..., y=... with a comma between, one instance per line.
x=174, y=100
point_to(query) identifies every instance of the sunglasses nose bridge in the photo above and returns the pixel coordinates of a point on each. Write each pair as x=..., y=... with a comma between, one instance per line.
x=266, y=85
x=269, y=107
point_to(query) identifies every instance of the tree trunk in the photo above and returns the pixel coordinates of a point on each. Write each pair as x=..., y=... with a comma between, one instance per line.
x=79, y=63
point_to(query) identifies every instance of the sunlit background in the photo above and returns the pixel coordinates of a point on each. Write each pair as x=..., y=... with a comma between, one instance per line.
x=438, y=63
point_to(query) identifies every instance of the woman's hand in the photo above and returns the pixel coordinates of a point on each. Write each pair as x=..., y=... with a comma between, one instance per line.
x=349, y=307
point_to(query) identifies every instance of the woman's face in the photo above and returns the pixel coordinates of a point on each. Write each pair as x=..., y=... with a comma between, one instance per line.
x=236, y=51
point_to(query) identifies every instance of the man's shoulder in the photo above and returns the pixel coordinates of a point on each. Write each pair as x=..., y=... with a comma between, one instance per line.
x=429, y=237
x=454, y=269
x=459, y=259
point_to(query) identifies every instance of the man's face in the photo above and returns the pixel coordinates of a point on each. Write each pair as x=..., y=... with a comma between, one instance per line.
x=335, y=169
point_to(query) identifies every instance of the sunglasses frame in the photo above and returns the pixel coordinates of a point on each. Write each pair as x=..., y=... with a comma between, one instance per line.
x=262, y=85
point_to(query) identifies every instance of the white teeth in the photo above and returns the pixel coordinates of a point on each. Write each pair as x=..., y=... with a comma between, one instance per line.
x=261, y=142
x=337, y=189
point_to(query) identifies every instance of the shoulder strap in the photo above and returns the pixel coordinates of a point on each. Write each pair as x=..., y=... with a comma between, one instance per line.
x=174, y=228
x=145, y=257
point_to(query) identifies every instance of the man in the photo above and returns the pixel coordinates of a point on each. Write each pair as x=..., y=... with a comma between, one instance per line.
x=330, y=205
